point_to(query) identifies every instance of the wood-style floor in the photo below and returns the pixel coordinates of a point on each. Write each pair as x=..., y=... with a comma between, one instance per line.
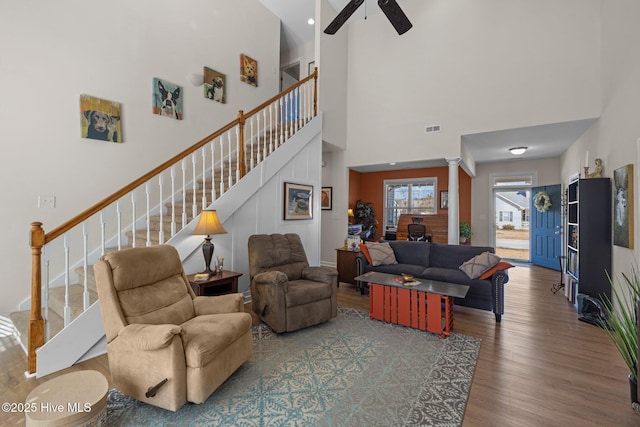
x=539, y=367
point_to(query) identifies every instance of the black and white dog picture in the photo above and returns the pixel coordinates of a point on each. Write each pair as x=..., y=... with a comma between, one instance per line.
x=214, y=85
x=100, y=119
x=167, y=99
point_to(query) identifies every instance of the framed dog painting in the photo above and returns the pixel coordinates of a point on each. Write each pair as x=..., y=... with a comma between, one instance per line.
x=100, y=119
x=167, y=99
x=248, y=70
x=214, y=85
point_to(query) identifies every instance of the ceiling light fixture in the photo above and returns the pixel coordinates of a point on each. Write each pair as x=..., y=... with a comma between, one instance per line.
x=311, y=21
x=516, y=151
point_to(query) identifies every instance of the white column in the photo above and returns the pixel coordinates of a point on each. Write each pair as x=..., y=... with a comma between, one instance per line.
x=454, y=209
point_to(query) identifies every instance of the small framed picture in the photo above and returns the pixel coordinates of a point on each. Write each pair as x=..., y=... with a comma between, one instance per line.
x=298, y=201
x=326, y=198
x=444, y=200
x=248, y=70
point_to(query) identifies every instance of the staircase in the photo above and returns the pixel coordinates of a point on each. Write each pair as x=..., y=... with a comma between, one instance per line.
x=69, y=295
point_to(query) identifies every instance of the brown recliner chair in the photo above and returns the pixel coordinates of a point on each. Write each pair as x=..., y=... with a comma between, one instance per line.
x=287, y=294
x=158, y=329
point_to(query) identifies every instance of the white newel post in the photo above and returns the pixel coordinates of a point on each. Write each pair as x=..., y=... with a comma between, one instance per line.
x=454, y=209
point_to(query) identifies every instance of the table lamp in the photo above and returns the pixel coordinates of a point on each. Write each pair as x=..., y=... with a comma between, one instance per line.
x=350, y=214
x=207, y=225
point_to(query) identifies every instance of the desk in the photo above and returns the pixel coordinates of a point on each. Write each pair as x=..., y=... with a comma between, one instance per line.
x=216, y=284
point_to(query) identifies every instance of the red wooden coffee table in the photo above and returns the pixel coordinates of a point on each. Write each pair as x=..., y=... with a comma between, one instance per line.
x=420, y=306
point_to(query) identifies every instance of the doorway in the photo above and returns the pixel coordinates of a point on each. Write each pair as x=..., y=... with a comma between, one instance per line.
x=290, y=75
x=511, y=215
x=512, y=223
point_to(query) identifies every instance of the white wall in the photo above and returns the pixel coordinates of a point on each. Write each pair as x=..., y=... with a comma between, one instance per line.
x=52, y=52
x=332, y=58
x=614, y=138
x=470, y=66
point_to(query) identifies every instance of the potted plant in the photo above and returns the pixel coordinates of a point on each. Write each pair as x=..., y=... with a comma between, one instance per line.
x=620, y=323
x=465, y=232
x=364, y=214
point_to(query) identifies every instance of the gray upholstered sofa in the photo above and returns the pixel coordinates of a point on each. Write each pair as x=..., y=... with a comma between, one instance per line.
x=441, y=262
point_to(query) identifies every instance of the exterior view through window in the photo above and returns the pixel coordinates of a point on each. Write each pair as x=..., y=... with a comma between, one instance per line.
x=413, y=196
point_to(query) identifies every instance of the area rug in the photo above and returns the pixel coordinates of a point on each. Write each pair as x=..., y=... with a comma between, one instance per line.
x=351, y=371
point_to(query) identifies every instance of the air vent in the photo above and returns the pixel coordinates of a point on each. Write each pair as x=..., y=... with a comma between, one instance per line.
x=434, y=128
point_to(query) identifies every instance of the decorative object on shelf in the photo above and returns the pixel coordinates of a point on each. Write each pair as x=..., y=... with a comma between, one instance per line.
x=623, y=206
x=298, y=201
x=167, y=101
x=100, y=119
x=248, y=70
x=444, y=200
x=620, y=323
x=208, y=224
x=215, y=87
x=465, y=232
x=326, y=198
x=595, y=174
x=542, y=201
x=365, y=215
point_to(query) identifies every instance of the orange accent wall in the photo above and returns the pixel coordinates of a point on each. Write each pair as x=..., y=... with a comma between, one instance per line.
x=369, y=187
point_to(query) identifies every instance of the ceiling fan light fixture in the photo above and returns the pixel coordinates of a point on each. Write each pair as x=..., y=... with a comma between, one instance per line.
x=516, y=151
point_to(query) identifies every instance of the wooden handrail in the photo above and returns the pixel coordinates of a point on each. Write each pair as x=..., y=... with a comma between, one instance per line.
x=63, y=228
x=39, y=238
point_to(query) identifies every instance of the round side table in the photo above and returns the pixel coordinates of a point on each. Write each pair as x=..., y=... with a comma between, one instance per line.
x=76, y=398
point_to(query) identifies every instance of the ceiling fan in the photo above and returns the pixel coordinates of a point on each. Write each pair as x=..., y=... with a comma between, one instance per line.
x=390, y=8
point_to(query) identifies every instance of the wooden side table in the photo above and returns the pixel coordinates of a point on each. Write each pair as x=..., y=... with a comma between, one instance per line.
x=346, y=265
x=216, y=284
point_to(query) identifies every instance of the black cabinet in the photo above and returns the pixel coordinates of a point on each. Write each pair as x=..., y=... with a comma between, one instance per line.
x=588, y=238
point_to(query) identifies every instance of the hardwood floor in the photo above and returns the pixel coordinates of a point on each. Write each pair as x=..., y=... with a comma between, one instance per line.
x=539, y=367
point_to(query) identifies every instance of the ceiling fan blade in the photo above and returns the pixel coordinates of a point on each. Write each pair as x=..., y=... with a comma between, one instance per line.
x=395, y=15
x=343, y=16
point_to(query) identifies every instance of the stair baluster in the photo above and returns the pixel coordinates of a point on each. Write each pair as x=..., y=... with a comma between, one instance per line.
x=54, y=254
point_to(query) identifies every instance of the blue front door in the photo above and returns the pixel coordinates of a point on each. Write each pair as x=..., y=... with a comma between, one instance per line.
x=546, y=228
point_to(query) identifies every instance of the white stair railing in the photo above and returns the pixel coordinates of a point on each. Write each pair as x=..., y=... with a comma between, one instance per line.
x=220, y=156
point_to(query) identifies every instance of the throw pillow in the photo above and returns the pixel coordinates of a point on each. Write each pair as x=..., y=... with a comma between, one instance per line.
x=479, y=264
x=365, y=252
x=381, y=253
x=502, y=265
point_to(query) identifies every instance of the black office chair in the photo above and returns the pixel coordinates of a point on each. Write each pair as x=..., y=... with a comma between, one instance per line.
x=417, y=232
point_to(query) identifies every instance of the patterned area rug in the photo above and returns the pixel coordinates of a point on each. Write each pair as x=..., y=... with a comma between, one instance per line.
x=351, y=371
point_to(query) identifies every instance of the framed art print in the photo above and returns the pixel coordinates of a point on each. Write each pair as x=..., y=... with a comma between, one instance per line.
x=298, y=201
x=100, y=119
x=167, y=99
x=623, y=206
x=248, y=70
x=215, y=87
x=444, y=200
x=326, y=198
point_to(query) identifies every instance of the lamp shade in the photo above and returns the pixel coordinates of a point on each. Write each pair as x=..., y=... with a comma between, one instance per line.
x=350, y=212
x=209, y=224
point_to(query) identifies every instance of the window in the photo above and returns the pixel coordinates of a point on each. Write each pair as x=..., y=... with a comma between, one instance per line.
x=415, y=196
x=506, y=216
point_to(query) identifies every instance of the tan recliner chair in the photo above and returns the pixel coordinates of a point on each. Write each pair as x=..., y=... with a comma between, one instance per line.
x=158, y=329
x=287, y=294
